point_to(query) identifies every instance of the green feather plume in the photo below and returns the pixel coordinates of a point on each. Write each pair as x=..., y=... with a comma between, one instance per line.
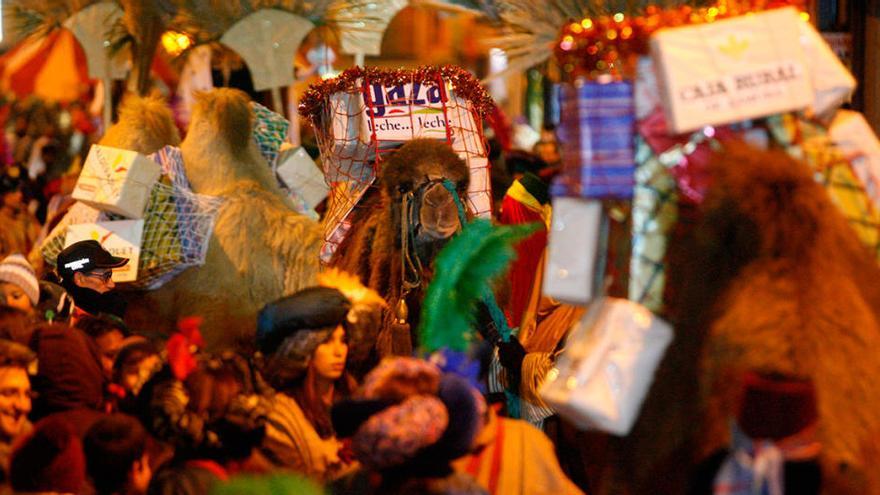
x=277, y=484
x=463, y=274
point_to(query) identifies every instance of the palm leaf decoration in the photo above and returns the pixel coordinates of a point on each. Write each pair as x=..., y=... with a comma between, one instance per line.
x=464, y=271
x=41, y=17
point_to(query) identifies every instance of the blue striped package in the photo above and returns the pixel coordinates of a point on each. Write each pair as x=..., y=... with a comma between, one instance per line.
x=596, y=134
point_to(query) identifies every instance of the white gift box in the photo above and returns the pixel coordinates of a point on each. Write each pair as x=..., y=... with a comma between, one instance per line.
x=570, y=273
x=121, y=238
x=732, y=70
x=302, y=176
x=833, y=85
x=851, y=133
x=117, y=180
x=603, y=375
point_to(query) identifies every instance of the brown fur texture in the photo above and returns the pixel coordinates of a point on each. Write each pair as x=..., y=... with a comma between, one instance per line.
x=145, y=125
x=372, y=249
x=260, y=249
x=771, y=278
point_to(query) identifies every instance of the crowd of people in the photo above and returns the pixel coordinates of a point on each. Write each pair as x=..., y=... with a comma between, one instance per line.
x=110, y=411
x=89, y=406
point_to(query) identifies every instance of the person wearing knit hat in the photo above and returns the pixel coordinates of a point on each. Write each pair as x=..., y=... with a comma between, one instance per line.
x=407, y=423
x=49, y=460
x=19, y=287
x=304, y=338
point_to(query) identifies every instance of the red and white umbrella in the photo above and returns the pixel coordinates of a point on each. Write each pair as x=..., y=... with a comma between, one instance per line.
x=52, y=68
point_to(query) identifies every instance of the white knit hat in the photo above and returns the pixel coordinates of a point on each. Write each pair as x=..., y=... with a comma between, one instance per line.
x=15, y=269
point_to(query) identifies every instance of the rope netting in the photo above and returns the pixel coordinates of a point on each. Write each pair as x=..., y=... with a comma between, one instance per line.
x=177, y=225
x=367, y=113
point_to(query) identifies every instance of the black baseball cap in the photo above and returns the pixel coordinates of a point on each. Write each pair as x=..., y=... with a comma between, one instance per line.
x=84, y=256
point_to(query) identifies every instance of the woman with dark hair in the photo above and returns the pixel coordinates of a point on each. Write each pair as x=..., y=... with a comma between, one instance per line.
x=305, y=340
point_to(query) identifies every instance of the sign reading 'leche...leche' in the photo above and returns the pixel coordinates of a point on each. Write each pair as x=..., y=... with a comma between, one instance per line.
x=732, y=70
x=408, y=111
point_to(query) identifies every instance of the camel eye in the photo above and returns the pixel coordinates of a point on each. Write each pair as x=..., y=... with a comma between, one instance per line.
x=404, y=187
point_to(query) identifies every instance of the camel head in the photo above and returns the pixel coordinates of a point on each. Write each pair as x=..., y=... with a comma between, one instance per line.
x=417, y=175
x=218, y=151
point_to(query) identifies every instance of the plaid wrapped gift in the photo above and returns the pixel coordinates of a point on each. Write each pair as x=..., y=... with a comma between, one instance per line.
x=810, y=142
x=596, y=131
x=654, y=213
x=270, y=130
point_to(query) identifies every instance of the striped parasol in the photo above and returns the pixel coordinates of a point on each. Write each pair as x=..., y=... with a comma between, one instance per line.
x=52, y=68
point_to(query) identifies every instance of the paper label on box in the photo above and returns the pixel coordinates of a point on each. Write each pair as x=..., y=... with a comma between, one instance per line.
x=732, y=70
x=121, y=238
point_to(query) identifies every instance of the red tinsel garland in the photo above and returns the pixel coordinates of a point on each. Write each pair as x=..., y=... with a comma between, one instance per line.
x=608, y=45
x=463, y=82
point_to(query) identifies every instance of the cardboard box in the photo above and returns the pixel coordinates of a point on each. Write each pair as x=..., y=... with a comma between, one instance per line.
x=732, y=70
x=121, y=237
x=117, y=180
x=302, y=176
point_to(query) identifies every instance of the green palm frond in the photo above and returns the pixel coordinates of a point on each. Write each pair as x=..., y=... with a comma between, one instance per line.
x=464, y=272
x=41, y=17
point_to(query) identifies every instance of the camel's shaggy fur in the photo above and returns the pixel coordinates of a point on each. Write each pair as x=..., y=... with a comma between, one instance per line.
x=771, y=278
x=260, y=249
x=145, y=125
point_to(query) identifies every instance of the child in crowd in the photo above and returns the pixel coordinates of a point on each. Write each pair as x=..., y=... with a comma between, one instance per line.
x=116, y=456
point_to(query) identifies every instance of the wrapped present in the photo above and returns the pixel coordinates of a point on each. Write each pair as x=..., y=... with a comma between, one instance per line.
x=809, y=141
x=178, y=224
x=302, y=177
x=604, y=374
x=686, y=156
x=572, y=252
x=161, y=248
x=118, y=181
x=654, y=214
x=121, y=238
x=270, y=131
x=726, y=71
x=597, y=132
x=852, y=134
x=833, y=85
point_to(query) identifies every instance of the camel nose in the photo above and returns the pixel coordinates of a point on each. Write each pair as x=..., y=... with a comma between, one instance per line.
x=439, y=213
